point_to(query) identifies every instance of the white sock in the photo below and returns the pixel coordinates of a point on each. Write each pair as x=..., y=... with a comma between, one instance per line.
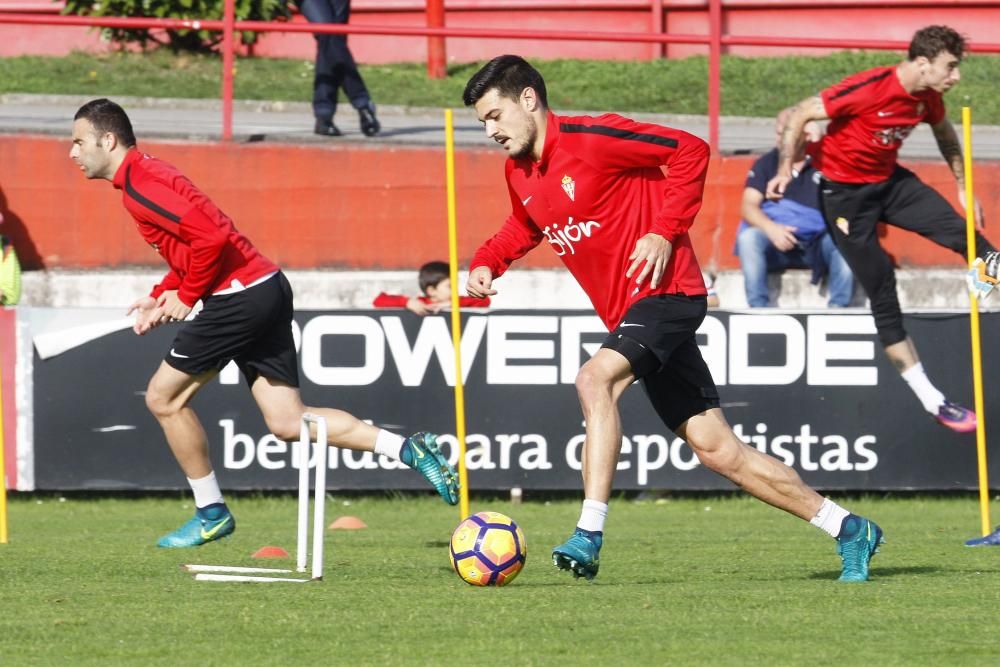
x=928, y=394
x=592, y=516
x=206, y=490
x=829, y=517
x=389, y=444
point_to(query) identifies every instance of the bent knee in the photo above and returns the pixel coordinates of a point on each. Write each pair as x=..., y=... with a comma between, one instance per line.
x=592, y=384
x=159, y=403
x=284, y=427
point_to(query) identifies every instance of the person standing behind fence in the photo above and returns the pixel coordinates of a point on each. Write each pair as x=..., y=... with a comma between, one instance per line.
x=246, y=317
x=871, y=113
x=336, y=69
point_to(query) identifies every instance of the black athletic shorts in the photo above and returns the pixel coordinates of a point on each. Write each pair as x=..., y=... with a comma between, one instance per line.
x=853, y=212
x=657, y=336
x=252, y=327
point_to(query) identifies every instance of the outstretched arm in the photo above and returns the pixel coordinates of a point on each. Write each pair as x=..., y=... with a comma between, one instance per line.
x=792, y=139
x=951, y=151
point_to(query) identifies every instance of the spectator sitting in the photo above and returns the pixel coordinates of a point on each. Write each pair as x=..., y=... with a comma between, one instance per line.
x=788, y=233
x=435, y=283
x=10, y=273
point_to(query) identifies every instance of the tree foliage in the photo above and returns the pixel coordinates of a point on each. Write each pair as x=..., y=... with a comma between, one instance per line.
x=176, y=40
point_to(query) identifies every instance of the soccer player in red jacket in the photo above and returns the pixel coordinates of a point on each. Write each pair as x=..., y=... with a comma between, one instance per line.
x=246, y=317
x=871, y=113
x=593, y=190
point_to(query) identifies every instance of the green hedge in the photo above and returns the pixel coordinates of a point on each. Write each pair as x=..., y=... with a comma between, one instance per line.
x=176, y=40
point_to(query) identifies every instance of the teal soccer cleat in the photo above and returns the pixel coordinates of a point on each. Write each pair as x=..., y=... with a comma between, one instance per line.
x=422, y=453
x=209, y=524
x=580, y=554
x=858, y=542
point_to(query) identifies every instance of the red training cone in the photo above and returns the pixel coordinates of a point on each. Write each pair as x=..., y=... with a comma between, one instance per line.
x=270, y=552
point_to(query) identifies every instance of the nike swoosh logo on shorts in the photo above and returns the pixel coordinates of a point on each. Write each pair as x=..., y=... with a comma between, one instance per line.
x=175, y=353
x=625, y=324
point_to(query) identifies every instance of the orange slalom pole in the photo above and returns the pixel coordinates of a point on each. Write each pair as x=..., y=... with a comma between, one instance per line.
x=977, y=358
x=456, y=320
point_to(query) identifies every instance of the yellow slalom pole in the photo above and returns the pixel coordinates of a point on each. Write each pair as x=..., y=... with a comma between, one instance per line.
x=977, y=359
x=456, y=320
x=3, y=472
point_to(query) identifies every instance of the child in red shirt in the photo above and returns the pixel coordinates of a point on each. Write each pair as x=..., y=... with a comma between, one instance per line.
x=435, y=283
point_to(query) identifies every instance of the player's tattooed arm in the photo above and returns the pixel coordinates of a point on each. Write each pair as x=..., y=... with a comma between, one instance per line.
x=793, y=136
x=951, y=150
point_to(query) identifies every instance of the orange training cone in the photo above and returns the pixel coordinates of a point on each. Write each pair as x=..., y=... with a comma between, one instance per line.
x=270, y=552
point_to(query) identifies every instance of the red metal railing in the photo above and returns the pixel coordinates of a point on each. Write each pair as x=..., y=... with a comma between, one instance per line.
x=437, y=59
x=715, y=40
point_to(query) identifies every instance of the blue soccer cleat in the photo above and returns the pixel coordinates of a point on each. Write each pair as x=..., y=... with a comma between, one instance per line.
x=422, y=453
x=982, y=277
x=580, y=554
x=858, y=542
x=209, y=524
x=991, y=540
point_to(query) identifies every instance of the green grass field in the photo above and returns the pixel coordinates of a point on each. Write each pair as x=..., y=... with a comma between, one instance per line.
x=750, y=86
x=707, y=581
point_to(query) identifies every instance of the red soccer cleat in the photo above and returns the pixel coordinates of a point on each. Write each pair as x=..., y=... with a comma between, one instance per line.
x=956, y=417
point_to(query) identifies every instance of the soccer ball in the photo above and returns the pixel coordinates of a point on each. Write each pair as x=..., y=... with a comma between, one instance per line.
x=488, y=549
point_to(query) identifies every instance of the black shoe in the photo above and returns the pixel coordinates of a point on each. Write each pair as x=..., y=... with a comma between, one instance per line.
x=326, y=128
x=369, y=123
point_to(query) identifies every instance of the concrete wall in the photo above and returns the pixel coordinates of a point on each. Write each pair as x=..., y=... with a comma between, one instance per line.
x=348, y=206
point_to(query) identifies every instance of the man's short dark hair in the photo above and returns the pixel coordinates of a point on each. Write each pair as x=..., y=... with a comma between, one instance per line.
x=933, y=40
x=433, y=273
x=106, y=116
x=510, y=75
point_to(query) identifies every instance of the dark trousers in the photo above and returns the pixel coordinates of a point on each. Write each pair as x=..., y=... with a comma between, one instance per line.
x=335, y=66
x=852, y=213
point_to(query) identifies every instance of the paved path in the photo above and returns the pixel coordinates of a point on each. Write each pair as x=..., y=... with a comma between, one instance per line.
x=291, y=122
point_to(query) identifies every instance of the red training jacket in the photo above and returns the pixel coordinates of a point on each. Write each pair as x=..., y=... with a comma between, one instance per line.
x=598, y=189
x=200, y=243
x=871, y=114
